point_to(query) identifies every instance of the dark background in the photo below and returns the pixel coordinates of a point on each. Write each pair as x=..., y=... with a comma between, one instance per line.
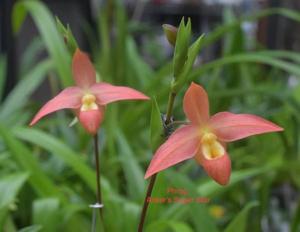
x=274, y=32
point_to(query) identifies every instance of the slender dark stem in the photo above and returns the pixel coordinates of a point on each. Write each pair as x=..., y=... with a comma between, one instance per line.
x=153, y=178
x=170, y=107
x=146, y=202
x=98, y=181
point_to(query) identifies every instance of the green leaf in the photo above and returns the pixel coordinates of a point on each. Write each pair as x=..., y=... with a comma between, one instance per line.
x=71, y=210
x=10, y=186
x=140, y=70
x=231, y=37
x=295, y=223
x=282, y=54
x=239, y=223
x=256, y=57
x=2, y=74
x=46, y=25
x=25, y=159
x=156, y=126
x=18, y=18
x=156, y=211
x=193, y=52
x=19, y=96
x=119, y=50
x=181, y=46
x=62, y=151
x=34, y=228
x=133, y=172
x=30, y=57
x=3, y=216
x=192, y=55
x=180, y=227
x=166, y=225
x=105, y=43
x=210, y=188
x=196, y=212
x=46, y=213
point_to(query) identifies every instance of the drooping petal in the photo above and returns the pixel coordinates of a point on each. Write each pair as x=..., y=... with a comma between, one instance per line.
x=230, y=127
x=107, y=93
x=218, y=169
x=195, y=104
x=83, y=71
x=91, y=119
x=69, y=98
x=181, y=145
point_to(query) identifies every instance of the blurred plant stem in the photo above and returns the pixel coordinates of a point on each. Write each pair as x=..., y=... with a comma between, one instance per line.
x=171, y=101
x=98, y=180
x=170, y=106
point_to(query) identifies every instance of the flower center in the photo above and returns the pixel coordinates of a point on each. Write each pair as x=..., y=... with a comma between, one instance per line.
x=88, y=102
x=211, y=148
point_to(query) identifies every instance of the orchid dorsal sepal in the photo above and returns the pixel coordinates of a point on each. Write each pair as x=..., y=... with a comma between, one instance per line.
x=88, y=98
x=205, y=137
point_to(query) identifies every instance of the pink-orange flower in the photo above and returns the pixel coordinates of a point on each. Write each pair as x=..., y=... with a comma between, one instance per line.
x=87, y=98
x=205, y=137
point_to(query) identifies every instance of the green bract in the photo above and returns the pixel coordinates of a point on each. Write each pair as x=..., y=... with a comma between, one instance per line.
x=67, y=35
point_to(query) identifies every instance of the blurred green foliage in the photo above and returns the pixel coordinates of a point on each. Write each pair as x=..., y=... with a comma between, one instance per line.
x=47, y=177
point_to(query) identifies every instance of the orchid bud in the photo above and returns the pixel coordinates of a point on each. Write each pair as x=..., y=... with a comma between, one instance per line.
x=171, y=33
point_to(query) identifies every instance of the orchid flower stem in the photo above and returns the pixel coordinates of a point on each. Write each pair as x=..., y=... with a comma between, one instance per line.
x=153, y=178
x=146, y=203
x=98, y=181
x=170, y=107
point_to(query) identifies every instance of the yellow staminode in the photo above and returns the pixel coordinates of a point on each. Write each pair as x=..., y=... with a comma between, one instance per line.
x=88, y=102
x=211, y=148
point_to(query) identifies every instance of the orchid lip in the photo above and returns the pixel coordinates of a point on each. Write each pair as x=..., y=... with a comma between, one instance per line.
x=211, y=147
x=88, y=102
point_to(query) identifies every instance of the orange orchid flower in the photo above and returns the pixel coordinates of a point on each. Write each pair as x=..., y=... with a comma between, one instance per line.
x=87, y=98
x=205, y=137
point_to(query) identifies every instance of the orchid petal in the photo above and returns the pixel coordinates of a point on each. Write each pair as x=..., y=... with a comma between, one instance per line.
x=195, y=104
x=107, y=93
x=182, y=144
x=83, y=70
x=218, y=169
x=69, y=98
x=91, y=119
x=230, y=127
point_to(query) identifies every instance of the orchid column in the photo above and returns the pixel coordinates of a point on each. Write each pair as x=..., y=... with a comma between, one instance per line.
x=88, y=100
